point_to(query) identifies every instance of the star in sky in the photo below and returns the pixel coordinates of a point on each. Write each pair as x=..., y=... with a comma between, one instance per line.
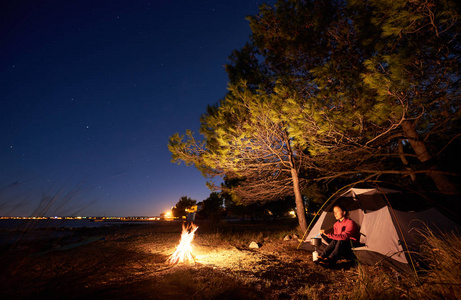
x=135, y=74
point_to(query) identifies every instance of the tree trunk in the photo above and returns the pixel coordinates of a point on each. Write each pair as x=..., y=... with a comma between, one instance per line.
x=300, y=211
x=441, y=181
x=405, y=162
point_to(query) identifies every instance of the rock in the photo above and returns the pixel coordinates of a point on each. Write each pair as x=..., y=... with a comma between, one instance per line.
x=295, y=236
x=253, y=245
x=287, y=238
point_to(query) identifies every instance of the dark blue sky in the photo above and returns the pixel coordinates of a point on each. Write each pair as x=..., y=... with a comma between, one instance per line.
x=91, y=91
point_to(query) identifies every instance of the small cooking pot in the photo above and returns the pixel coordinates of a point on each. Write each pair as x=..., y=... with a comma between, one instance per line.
x=316, y=242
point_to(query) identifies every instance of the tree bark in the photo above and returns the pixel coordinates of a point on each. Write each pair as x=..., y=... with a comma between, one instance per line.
x=441, y=181
x=405, y=162
x=300, y=211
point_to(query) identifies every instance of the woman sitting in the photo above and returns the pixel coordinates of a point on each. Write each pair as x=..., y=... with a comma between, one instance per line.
x=345, y=233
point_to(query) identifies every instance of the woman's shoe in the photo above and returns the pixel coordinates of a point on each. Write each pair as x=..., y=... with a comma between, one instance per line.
x=326, y=262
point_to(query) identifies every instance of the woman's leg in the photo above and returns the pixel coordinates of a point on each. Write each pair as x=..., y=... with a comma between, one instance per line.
x=341, y=249
x=329, y=249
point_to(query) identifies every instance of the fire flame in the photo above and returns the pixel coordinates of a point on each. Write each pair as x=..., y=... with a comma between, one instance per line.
x=183, y=251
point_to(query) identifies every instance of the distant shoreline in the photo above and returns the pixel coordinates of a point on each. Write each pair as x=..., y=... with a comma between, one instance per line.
x=39, y=224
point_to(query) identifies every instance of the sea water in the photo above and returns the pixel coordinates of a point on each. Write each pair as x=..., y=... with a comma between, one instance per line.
x=12, y=224
x=12, y=230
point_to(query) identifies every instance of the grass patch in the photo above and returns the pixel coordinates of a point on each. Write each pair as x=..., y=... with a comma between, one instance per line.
x=442, y=254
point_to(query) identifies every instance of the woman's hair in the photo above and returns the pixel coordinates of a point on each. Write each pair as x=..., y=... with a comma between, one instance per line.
x=342, y=208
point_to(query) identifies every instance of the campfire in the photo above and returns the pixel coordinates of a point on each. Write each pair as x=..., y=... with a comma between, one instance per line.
x=183, y=253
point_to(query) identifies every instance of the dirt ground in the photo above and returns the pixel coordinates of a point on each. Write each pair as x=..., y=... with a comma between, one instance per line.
x=129, y=262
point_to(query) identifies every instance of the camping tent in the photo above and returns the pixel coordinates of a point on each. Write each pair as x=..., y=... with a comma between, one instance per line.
x=387, y=219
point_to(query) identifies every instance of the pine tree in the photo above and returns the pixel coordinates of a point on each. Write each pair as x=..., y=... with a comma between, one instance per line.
x=379, y=72
x=328, y=90
x=251, y=139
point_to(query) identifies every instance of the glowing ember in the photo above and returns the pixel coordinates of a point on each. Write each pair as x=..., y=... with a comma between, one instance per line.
x=183, y=251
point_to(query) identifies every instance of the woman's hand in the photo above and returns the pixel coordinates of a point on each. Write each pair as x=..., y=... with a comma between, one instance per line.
x=326, y=231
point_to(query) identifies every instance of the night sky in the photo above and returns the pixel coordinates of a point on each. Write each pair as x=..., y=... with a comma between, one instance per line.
x=92, y=90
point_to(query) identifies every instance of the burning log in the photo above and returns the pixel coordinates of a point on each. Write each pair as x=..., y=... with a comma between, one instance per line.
x=183, y=251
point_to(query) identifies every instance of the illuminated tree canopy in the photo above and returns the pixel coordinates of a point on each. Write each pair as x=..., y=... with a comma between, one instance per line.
x=384, y=73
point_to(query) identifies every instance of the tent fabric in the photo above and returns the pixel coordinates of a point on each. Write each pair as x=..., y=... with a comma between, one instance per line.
x=380, y=236
x=355, y=191
x=386, y=232
x=412, y=222
x=372, y=258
